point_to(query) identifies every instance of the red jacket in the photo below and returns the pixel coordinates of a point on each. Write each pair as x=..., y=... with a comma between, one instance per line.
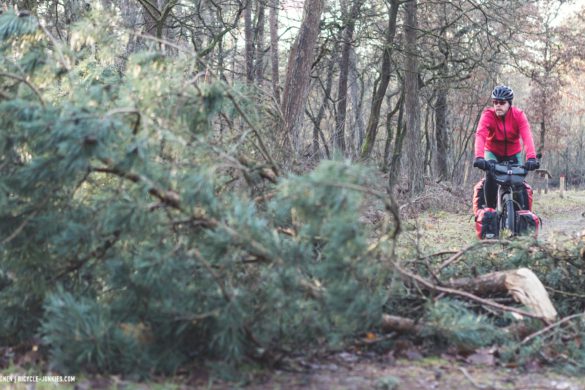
x=502, y=137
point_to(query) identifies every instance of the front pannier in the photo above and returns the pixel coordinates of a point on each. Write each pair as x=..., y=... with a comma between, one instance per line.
x=527, y=223
x=486, y=223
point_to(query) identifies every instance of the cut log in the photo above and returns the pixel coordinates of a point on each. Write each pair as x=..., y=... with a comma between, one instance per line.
x=522, y=284
x=399, y=324
x=527, y=289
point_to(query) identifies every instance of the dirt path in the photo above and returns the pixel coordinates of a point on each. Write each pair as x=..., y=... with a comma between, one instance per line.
x=347, y=371
x=561, y=216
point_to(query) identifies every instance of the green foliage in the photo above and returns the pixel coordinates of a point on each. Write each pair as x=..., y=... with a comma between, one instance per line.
x=14, y=24
x=122, y=247
x=458, y=326
x=82, y=335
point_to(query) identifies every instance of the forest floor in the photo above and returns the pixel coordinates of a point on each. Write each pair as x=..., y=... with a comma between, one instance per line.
x=443, y=225
x=562, y=217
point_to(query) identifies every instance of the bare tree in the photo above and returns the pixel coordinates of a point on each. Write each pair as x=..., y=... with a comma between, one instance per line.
x=351, y=16
x=298, y=71
x=249, y=44
x=274, y=49
x=413, y=158
x=259, y=42
x=356, y=135
x=382, y=83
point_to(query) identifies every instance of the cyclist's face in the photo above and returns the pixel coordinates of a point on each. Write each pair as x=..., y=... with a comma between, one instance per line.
x=501, y=106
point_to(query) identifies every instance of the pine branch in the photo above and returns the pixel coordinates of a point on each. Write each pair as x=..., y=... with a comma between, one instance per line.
x=550, y=327
x=19, y=229
x=389, y=201
x=467, y=249
x=57, y=46
x=28, y=83
x=168, y=197
x=97, y=254
x=128, y=111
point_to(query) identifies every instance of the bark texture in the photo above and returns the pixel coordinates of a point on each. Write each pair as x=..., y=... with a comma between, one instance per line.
x=298, y=72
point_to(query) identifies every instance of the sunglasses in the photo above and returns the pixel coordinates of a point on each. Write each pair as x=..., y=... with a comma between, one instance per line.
x=499, y=102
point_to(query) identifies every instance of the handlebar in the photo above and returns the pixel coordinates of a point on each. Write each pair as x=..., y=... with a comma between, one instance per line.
x=508, y=169
x=504, y=167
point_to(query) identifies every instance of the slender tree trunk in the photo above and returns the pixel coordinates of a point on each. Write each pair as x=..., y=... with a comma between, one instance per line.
x=395, y=163
x=441, y=133
x=326, y=98
x=413, y=155
x=249, y=38
x=542, y=136
x=259, y=65
x=380, y=90
x=389, y=133
x=339, y=137
x=274, y=49
x=356, y=101
x=441, y=124
x=429, y=148
x=297, y=81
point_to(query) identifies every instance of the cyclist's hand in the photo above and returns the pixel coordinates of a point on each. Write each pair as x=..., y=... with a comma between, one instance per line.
x=481, y=164
x=531, y=164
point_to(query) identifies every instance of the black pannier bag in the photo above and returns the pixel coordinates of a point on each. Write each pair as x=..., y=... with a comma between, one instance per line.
x=486, y=223
x=527, y=222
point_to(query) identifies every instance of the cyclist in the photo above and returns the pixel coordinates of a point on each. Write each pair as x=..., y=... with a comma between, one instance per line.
x=497, y=139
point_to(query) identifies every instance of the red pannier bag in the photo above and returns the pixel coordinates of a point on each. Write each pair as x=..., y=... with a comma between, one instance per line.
x=527, y=222
x=529, y=192
x=478, y=197
x=486, y=223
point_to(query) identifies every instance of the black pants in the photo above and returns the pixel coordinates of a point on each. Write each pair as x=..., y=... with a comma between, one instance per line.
x=490, y=188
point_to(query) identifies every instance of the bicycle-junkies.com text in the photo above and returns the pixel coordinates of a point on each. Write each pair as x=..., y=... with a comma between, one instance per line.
x=37, y=379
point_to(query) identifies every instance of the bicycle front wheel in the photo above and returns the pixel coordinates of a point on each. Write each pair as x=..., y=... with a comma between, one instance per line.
x=509, y=216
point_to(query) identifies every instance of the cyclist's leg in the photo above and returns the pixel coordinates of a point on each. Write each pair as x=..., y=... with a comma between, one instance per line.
x=490, y=188
x=523, y=193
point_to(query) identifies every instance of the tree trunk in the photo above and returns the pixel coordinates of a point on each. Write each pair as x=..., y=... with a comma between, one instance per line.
x=389, y=133
x=380, y=90
x=339, y=136
x=413, y=157
x=542, y=136
x=357, y=98
x=395, y=163
x=429, y=147
x=249, y=46
x=441, y=133
x=259, y=40
x=522, y=284
x=274, y=49
x=326, y=98
x=297, y=81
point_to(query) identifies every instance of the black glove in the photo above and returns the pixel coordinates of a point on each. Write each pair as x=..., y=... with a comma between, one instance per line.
x=531, y=164
x=481, y=164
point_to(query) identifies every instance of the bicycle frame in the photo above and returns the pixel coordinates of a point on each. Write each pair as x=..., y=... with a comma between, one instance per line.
x=510, y=179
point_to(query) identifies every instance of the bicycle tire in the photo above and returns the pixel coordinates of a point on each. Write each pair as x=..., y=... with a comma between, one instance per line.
x=510, y=216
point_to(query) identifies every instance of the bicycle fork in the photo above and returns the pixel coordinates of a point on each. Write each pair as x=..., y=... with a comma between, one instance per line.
x=506, y=209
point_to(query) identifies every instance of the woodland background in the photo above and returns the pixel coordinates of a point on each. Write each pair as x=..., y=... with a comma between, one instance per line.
x=187, y=180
